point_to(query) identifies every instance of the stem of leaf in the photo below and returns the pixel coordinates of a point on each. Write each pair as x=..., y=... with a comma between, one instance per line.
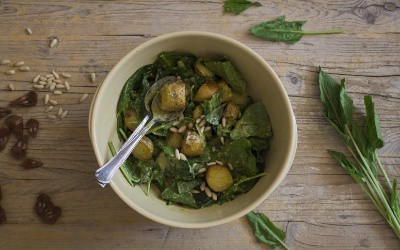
x=323, y=32
x=382, y=170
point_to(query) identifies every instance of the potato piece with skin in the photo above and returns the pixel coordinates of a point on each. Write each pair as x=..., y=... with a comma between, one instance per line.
x=219, y=178
x=197, y=112
x=202, y=70
x=144, y=149
x=226, y=91
x=162, y=161
x=131, y=119
x=173, y=97
x=193, y=144
x=206, y=91
x=174, y=140
x=231, y=112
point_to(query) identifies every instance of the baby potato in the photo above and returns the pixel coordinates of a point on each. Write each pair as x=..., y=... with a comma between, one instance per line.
x=174, y=140
x=197, y=112
x=231, y=111
x=144, y=149
x=173, y=97
x=226, y=91
x=193, y=144
x=131, y=119
x=219, y=178
x=206, y=91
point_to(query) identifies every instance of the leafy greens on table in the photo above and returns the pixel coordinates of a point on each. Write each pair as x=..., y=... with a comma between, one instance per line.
x=246, y=136
x=238, y=6
x=280, y=30
x=362, y=143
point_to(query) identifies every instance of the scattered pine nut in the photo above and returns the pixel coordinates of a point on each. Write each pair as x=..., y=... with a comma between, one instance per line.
x=175, y=123
x=46, y=99
x=42, y=83
x=55, y=74
x=208, y=128
x=5, y=62
x=49, y=76
x=64, y=114
x=11, y=86
x=36, y=79
x=202, y=116
x=42, y=78
x=224, y=122
x=201, y=170
x=51, y=117
x=177, y=154
x=53, y=42
x=173, y=129
x=52, y=86
x=208, y=192
x=17, y=64
x=83, y=97
x=182, y=129
x=60, y=86
x=57, y=81
x=198, y=120
x=219, y=162
x=193, y=191
x=202, y=130
x=10, y=72
x=202, y=123
x=29, y=31
x=230, y=166
x=202, y=186
x=93, y=77
x=57, y=92
x=214, y=196
x=67, y=86
x=190, y=126
x=24, y=68
x=60, y=110
x=222, y=140
x=183, y=157
x=66, y=75
x=211, y=163
x=48, y=109
x=38, y=86
x=53, y=102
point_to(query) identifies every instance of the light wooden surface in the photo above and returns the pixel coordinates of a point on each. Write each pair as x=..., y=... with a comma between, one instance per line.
x=318, y=205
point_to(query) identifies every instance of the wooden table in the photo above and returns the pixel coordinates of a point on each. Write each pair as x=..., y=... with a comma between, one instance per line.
x=318, y=204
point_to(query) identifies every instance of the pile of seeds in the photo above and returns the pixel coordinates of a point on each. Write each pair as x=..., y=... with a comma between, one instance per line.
x=18, y=66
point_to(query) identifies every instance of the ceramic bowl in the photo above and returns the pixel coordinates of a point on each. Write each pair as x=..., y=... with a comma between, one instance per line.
x=262, y=84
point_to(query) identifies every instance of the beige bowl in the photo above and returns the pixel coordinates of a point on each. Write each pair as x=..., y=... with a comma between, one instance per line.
x=263, y=84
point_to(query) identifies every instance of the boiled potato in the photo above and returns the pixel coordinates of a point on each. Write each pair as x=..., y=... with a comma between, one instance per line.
x=173, y=97
x=162, y=161
x=219, y=178
x=174, y=140
x=131, y=119
x=202, y=70
x=197, y=112
x=193, y=144
x=226, y=91
x=231, y=111
x=206, y=91
x=144, y=149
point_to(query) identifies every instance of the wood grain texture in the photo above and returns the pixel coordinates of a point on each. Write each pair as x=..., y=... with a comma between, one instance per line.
x=318, y=204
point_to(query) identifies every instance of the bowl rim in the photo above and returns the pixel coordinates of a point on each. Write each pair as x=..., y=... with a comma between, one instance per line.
x=292, y=127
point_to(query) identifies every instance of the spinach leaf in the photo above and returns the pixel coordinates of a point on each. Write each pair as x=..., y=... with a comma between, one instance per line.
x=238, y=6
x=186, y=186
x=238, y=153
x=172, y=194
x=375, y=139
x=265, y=231
x=254, y=122
x=213, y=109
x=227, y=71
x=179, y=170
x=280, y=30
x=177, y=64
x=259, y=144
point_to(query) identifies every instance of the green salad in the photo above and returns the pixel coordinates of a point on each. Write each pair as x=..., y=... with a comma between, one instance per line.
x=214, y=151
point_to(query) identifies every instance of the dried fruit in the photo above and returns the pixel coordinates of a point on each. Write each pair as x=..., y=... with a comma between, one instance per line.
x=29, y=99
x=16, y=124
x=46, y=210
x=32, y=125
x=4, y=112
x=3, y=217
x=18, y=151
x=4, y=136
x=29, y=163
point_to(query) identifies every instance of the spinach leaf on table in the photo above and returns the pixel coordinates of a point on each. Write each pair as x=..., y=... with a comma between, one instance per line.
x=265, y=231
x=227, y=71
x=279, y=30
x=254, y=122
x=238, y=6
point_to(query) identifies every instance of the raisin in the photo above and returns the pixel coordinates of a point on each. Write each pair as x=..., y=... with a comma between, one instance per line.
x=46, y=210
x=29, y=99
x=16, y=124
x=19, y=149
x=3, y=217
x=29, y=163
x=32, y=125
x=4, y=136
x=4, y=112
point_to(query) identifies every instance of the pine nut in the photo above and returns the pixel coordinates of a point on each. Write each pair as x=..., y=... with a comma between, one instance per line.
x=42, y=78
x=83, y=98
x=17, y=64
x=177, y=155
x=51, y=117
x=211, y=163
x=201, y=170
x=53, y=42
x=213, y=149
x=38, y=86
x=57, y=81
x=49, y=76
x=214, y=196
x=93, y=77
x=55, y=74
x=219, y=162
x=11, y=86
x=60, y=110
x=48, y=109
x=222, y=140
x=198, y=120
x=208, y=192
x=224, y=122
x=182, y=129
x=53, y=102
x=5, y=61
x=202, y=130
x=24, y=68
x=208, y=128
x=190, y=126
x=42, y=83
x=10, y=72
x=173, y=129
x=52, y=86
x=67, y=86
x=36, y=79
x=66, y=75
x=46, y=99
x=202, y=116
x=60, y=86
x=57, y=92
x=29, y=31
x=183, y=157
x=202, y=123
x=230, y=166
x=202, y=186
x=193, y=191
x=175, y=123
x=64, y=114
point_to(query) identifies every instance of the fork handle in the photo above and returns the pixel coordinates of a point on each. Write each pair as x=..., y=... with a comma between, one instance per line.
x=105, y=173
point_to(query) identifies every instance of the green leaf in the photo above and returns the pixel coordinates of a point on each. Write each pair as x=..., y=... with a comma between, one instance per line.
x=280, y=30
x=259, y=144
x=126, y=168
x=238, y=6
x=394, y=200
x=213, y=109
x=227, y=71
x=348, y=166
x=346, y=105
x=254, y=122
x=265, y=231
x=375, y=139
x=330, y=96
x=172, y=194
